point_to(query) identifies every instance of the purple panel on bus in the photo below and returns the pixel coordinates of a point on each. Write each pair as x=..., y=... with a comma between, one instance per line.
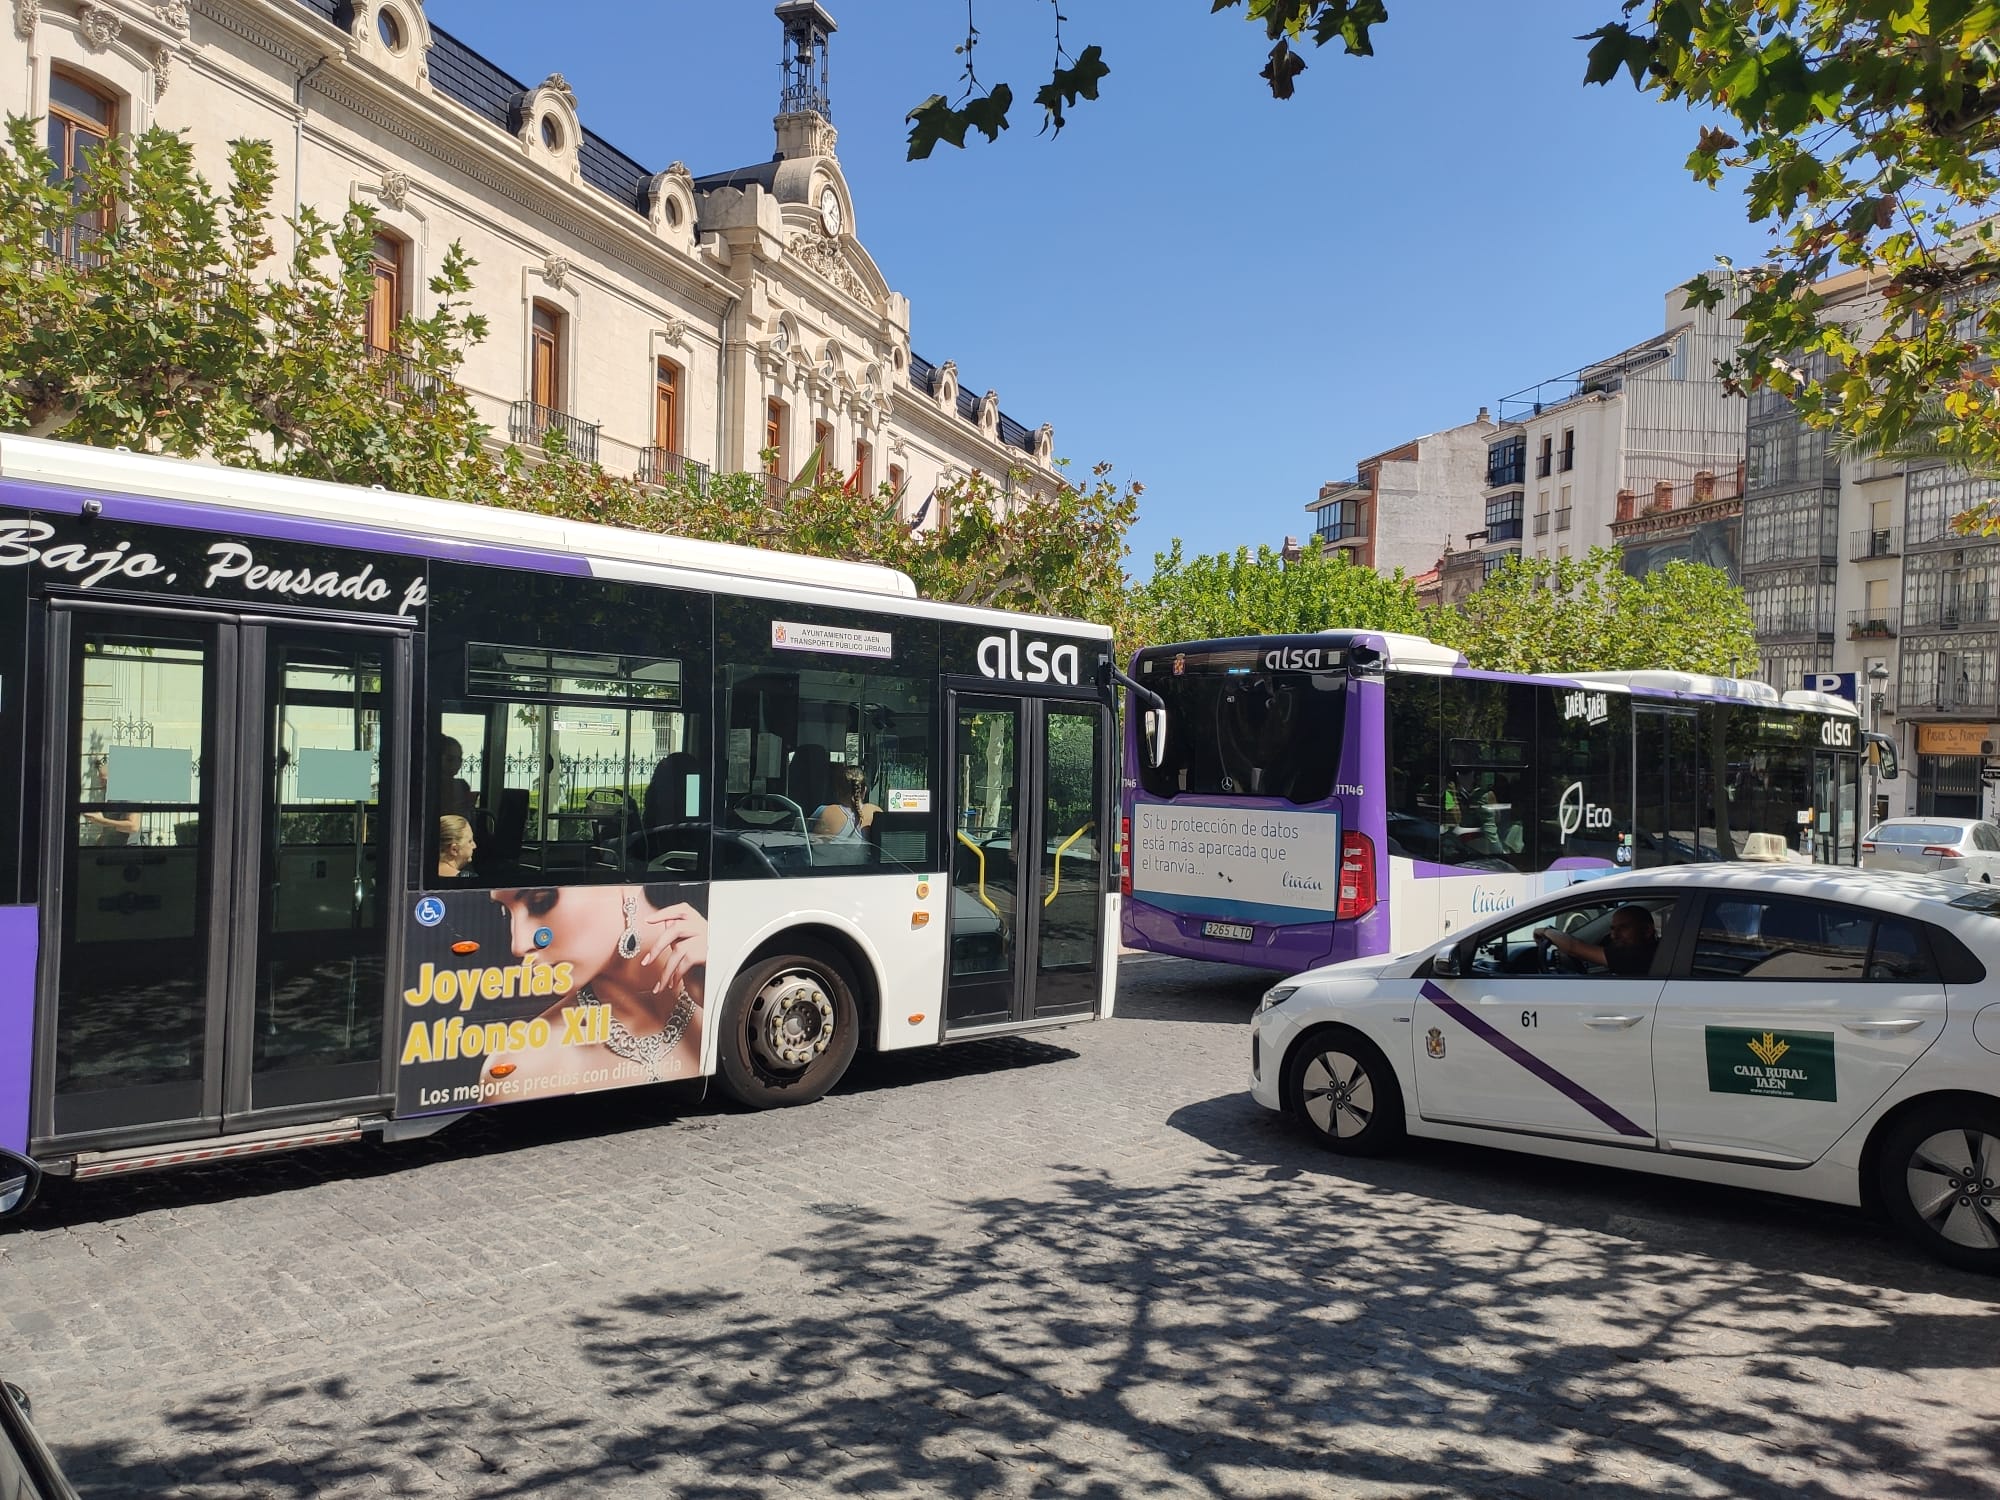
x=19, y=933
x=186, y=514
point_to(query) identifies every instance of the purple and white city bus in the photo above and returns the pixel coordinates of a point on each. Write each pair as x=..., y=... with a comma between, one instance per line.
x=1293, y=801
x=338, y=812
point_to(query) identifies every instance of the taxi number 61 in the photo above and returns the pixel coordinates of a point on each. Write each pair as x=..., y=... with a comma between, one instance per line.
x=1531, y=1018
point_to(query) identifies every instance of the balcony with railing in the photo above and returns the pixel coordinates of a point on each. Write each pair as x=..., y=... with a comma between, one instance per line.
x=1872, y=624
x=531, y=422
x=1541, y=523
x=402, y=378
x=776, y=487
x=1562, y=518
x=657, y=465
x=1963, y=609
x=1871, y=542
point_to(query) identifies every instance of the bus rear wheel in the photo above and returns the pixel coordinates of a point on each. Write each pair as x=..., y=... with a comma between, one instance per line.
x=790, y=1027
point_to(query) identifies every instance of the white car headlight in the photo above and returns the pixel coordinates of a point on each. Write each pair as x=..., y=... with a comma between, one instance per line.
x=1276, y=996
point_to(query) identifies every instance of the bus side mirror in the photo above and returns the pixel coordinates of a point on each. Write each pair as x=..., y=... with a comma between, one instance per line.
x=1154, y=728
x=20, y=1180
x=1881, y=754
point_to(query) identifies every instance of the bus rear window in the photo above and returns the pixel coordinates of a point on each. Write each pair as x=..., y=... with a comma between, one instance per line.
x=1249, y=733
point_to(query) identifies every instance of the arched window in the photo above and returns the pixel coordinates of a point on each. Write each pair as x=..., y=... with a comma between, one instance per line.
x=774, y=437
x=82, y=117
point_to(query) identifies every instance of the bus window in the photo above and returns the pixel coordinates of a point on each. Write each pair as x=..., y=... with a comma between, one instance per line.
x=1584, y=788
x=827, y=741
x=1486, y=796
x=1238, y=728
x=578, y=766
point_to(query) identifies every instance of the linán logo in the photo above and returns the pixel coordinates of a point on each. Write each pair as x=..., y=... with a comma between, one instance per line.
x=1008, y=656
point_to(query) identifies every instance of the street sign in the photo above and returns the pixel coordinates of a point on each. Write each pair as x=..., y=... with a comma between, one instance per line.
x=1990, y=775
x=1839, y=684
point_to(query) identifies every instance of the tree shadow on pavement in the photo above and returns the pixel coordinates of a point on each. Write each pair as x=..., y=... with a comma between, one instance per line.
x=1277, y=1324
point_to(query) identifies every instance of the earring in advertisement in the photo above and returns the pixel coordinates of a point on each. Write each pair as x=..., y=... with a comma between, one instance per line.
x=628, y=940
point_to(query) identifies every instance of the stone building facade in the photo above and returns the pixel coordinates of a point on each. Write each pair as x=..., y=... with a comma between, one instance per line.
x=664, y=318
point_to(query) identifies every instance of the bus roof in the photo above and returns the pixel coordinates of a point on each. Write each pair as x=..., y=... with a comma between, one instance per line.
x=117, y=471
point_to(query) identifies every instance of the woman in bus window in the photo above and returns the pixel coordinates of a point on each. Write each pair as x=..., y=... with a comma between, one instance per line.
x=455, y=847
x=639, y=950
x=847, y=810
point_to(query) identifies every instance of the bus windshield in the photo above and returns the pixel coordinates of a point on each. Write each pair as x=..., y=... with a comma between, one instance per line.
x=1237, y=728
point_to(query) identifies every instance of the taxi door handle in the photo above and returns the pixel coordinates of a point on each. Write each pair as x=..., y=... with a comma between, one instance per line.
x=1900, y=1024
x=1612, y=1023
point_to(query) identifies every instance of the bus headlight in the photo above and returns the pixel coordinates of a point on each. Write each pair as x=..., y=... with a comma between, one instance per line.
x=1276, y=996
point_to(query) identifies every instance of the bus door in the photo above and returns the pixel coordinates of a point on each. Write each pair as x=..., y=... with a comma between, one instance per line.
x=1836, y=801
x=1666, y=804
x=223, y=802
x=1028, y=844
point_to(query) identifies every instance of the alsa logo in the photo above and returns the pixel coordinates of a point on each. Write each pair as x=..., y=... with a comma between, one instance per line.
x=1838, y=733
x=1007, y=656
x=1294, y=659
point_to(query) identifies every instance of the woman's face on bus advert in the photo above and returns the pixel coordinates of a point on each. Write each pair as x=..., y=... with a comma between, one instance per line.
x=582, y=923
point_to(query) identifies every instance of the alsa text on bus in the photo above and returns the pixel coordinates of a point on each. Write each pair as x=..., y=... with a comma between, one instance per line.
x=1006, y=656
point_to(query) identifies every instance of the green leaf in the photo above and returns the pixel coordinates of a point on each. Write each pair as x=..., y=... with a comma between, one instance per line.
x=1282, y=68
x=1069, y=84
x=1617, y=46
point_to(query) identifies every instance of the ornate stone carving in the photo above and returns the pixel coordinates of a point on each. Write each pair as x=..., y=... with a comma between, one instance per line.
x=674, y=331
x=163, y=67
x=555, y=271
x=99, y=26
x=395, y=190
x=26, y=13
x=680, y=169
x=555, y=83
x=173, y=13
x=823, y=258
x=1045, y=444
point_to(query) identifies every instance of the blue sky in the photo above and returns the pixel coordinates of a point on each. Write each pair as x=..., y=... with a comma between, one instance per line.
x=1228, y=298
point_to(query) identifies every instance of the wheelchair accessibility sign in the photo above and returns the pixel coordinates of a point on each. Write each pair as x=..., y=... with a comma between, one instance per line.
x=430, y=911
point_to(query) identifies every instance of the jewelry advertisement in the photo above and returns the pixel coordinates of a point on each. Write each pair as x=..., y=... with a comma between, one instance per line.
x=525, y=993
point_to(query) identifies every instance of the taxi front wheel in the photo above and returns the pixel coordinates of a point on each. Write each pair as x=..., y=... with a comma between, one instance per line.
x=1341, y=1085
x=1939, y=1177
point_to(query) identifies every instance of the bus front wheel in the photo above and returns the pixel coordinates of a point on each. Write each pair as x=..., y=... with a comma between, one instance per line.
x=790, y=1027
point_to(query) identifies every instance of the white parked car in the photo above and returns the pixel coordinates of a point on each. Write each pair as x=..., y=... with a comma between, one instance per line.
x=1966, y=849
x=1830, y=1034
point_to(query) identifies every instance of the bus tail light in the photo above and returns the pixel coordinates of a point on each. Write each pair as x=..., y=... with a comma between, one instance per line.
x=1943, y=851
x=1357, y=877
x=1124, y=856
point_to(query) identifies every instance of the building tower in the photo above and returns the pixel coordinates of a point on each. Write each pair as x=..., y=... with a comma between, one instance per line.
x=805, y=115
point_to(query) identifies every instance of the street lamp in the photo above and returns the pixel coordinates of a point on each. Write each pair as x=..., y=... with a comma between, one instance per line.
x=1878, y=682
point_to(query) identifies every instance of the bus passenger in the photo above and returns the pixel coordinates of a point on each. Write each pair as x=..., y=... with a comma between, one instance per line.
x=847, y=810
x=455, y=847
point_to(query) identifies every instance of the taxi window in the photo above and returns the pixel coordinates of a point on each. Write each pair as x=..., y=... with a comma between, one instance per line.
x=1900, y=952
x=1778, y=937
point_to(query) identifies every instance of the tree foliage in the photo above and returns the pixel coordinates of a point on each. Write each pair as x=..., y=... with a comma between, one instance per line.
x=1587, y=615
x=1238, y=593
x=141, y=306
x=1869, y=131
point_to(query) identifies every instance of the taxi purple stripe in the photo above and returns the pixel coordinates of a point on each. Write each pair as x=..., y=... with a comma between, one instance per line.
x=1568, y=1087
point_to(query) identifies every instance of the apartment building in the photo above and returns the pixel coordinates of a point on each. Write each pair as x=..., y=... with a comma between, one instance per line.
x=1567, y=449
x=667, y=320
x=1405, y=503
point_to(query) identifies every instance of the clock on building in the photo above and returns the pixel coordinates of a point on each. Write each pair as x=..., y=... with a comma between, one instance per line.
x=829, y=210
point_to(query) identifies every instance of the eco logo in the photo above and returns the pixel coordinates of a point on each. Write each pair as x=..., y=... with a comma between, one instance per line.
x=1770, y=1065
x=1434, y=1043
x=1576, y=812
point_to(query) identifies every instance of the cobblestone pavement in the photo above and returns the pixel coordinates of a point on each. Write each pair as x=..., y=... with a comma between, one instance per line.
x=1082, y=1265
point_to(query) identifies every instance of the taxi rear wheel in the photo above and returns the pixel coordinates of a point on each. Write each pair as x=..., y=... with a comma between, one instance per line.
x=1339, y=1083
x=1939, y=1179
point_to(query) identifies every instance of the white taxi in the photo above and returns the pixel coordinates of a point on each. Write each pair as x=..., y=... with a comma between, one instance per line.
x=1830, y=1034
